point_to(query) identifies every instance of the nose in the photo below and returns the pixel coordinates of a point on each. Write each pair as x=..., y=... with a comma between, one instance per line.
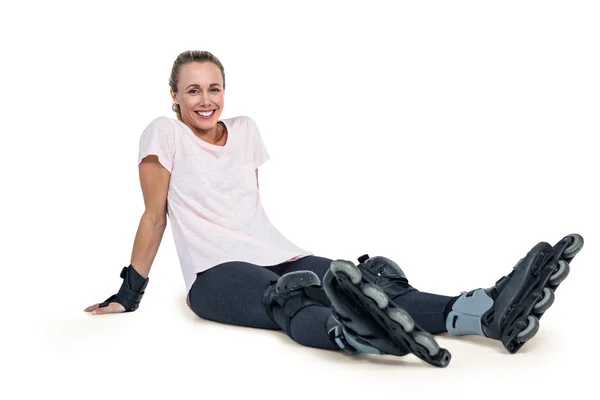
x=204, y=99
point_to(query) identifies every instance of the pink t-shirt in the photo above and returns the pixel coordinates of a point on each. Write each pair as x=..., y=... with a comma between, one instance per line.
x=213, y=203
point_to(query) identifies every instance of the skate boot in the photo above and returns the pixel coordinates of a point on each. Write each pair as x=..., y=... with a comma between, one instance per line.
x=510, y=310
x=368, y=322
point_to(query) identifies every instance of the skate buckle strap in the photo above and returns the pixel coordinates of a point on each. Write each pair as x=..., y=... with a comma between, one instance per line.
x=348, y=344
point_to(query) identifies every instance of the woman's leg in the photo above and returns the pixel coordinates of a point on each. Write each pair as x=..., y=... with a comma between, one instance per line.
x=316, y=264
x=234, y=293
x=427, y=309
x=231, y=293
x=245, y=294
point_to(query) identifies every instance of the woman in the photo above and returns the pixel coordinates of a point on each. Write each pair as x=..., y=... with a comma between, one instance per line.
x=239, y=269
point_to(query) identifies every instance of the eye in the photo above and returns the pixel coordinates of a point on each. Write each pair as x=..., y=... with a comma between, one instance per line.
x=216, y=90
x=193, y=91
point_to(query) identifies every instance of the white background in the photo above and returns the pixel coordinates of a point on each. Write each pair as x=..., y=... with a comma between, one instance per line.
x=450, y=136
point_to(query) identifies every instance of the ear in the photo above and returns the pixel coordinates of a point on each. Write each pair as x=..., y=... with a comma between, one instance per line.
x=173, y=95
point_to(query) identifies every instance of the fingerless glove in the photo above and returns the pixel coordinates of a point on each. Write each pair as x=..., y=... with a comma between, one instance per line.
x=131, y=292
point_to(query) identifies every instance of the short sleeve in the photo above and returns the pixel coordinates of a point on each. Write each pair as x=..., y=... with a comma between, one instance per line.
x=157, y=139
x=261, y=155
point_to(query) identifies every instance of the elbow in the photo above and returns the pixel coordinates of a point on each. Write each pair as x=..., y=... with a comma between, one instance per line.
x=161, y=224
x=155, y=220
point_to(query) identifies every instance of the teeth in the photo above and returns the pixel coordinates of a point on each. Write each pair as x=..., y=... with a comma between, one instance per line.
x=205, y=114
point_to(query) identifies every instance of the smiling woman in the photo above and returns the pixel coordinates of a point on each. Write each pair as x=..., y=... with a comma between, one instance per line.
x=200, y=172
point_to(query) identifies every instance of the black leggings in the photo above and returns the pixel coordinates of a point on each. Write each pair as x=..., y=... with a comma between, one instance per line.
x=232, y=293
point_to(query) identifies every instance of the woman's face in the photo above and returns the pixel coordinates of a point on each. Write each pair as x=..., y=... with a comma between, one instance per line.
x=200, y=95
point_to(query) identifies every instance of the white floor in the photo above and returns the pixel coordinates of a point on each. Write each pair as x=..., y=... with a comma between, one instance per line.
x=164, y=351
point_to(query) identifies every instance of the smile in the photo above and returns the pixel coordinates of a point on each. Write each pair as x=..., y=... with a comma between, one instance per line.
x=205, y=114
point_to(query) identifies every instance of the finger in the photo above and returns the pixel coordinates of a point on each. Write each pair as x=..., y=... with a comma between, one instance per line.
x=92, y=307
x=111, y=308
x=103, y=310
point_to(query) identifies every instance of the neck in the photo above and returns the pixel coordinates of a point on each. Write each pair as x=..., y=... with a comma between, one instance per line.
x=213, y=136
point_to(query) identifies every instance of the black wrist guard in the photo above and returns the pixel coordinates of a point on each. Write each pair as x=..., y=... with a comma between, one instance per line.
x=131, y=292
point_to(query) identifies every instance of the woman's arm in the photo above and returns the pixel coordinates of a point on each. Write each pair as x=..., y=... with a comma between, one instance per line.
x=154, y=180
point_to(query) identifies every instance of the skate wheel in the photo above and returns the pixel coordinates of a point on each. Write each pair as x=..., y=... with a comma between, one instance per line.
x=560, y=274
x=574, y=247
x=402, y=317
x=545, y=302
x=348, y=268
x=427, y=341
x=376, y=294
x=533, y=325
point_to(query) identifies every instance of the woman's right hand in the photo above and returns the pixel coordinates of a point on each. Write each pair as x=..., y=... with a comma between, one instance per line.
x=111, y=308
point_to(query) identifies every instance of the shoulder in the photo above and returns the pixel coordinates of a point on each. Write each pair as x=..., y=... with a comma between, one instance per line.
x=242, y=123
x=162, y=123
x=162, y=127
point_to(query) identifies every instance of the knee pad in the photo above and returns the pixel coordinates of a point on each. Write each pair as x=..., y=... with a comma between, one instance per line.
x=385, y=273
x=293, y=292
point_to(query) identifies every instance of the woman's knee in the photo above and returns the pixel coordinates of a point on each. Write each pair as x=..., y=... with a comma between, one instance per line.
x=319, y=265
